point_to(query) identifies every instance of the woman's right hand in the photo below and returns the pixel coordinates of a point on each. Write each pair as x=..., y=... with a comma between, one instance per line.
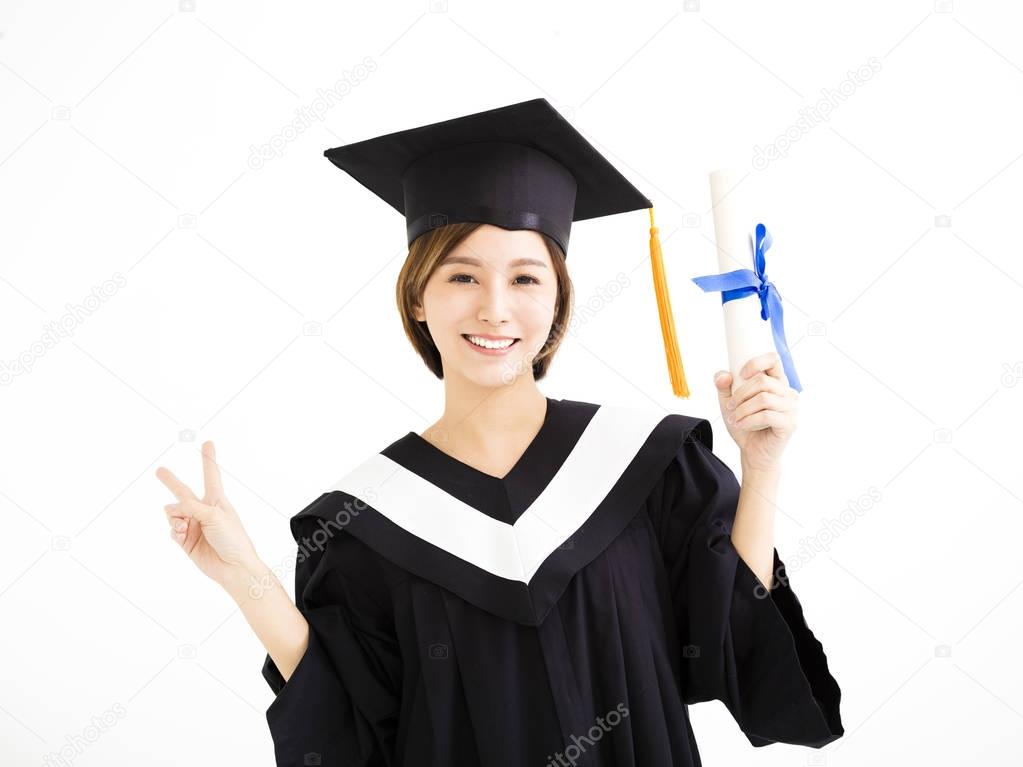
x=208, y=530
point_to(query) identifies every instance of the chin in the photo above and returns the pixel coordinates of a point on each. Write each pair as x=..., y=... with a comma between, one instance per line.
x=497, y=378
x=496, y=375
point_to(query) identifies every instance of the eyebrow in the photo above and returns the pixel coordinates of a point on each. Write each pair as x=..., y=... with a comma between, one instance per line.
x=452, y=259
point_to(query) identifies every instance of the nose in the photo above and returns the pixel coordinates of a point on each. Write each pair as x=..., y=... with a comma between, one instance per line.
x=494, y=304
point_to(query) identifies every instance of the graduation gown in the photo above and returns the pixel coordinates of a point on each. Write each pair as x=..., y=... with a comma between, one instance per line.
x=565, y=614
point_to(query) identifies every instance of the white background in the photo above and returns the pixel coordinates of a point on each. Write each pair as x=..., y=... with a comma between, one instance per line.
x=125, y=156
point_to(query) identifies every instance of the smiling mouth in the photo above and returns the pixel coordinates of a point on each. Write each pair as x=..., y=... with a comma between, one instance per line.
x=491, y=345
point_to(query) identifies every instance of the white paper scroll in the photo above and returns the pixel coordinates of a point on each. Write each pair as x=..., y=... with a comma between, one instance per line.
x=735, y=221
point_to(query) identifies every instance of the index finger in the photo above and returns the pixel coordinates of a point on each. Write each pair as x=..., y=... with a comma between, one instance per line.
x=777, y=370
x=175, y=485
x=770, y=363
x=211, y=472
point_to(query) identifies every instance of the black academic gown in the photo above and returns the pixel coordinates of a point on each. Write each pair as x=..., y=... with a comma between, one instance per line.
x=564, y=614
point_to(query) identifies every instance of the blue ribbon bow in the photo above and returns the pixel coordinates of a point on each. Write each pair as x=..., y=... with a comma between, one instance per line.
x=742, y=282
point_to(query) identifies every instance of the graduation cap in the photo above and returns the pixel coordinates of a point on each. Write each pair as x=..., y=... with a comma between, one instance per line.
x=521, y=166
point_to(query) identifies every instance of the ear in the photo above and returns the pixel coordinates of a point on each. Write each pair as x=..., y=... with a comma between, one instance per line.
x=418, y=313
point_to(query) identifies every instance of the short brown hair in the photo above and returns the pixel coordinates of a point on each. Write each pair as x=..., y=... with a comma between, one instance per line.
x=424, y=256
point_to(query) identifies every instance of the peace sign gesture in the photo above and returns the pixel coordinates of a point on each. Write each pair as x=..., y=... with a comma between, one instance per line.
x=208, y=530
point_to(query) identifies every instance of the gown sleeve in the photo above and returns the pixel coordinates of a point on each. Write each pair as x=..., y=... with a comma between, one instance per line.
x=340, y=705
x=740, y=644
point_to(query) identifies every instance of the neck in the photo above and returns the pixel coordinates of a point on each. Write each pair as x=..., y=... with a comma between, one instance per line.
x=485, y=420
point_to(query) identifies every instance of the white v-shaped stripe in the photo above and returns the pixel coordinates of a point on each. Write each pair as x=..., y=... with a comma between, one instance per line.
x=605, y=449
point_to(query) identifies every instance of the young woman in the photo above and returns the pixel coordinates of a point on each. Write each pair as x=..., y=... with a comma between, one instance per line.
x=530, y=581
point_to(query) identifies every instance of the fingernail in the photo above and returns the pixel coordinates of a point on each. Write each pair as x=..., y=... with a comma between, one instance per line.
x=180, y=526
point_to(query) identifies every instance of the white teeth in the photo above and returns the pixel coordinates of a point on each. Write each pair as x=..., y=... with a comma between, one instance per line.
x=486, y=344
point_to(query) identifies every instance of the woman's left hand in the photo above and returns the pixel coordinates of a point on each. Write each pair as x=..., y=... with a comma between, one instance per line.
x=764, y=399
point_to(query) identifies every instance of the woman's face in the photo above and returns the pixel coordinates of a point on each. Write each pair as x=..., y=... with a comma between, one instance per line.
x=498, y=285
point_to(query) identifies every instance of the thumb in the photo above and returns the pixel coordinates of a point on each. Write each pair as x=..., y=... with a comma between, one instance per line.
x=194, y=509
x=723, y=383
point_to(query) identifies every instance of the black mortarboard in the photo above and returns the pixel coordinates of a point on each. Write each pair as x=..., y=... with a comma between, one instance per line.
x=521, y=166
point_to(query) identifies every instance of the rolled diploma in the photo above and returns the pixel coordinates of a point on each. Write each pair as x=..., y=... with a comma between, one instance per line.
x=746, y=334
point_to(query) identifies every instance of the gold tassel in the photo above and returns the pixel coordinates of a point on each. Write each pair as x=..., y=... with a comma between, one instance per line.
x=678, y=375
